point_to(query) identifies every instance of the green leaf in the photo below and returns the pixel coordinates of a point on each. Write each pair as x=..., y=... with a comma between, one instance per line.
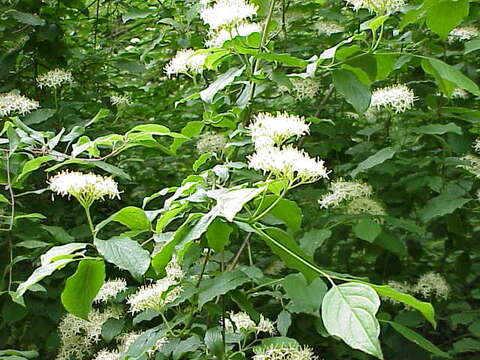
x=200, y=161
x=32, y=165
x=230, y=202
x=313, y=239
x=418, y=339
x=25, y=18
x=126, y=254
x=186, y=346
x=446, y=74
x=288, y=250
x=214, y=342
x=38, y=116
x=305, y=298
x=466, y=345
x=471, y=46
x=220, y=285
x=222, y=81
x=287, y=211
x=444, y=16
x=348, y=311
x=441, y=205
x=374, y=24
x=111, y=328
x=130, y=66
x=29, y=354
x=218, y=235
x=60, y=252
x=134, y=13
x=59, y=234
x=132, y=217
x=82, y=287
x=439, y=129
x=285, y=59
x=367, y=230
x=284, y=320
x=356, y=93
x=374, y=160
x=425, y=308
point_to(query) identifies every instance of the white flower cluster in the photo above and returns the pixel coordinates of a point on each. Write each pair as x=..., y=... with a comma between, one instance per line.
x=269, y=132
x=12, y=102
x=227, y=13
x=159, y=294
x=126, y=339
x=284, y=353
x=365, y=205
x=217, y=38
x=110, y=289
x=288, y=163
x=398, y=98
x=77, y=336
x=107, y=355
x=86, y=188
x=471, y=164
x=476, y=145
x=120, y=100
x=427, y=285
x=464, y=33
x=328, y=27
x=377, y=6
x=184, y=61
x=211, y=143
x=242, y=322
x=341, y=190
x=54, y=78
x=303, y=88
x=432, y=283
x=228, y=19
x=459, y=93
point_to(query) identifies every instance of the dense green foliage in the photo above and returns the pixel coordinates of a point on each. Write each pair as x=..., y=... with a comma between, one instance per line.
x=392, y=274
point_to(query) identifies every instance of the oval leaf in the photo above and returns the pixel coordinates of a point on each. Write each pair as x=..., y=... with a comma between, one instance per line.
x=348, y=311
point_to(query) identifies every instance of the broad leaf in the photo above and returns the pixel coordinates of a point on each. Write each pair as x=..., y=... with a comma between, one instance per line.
x=305, y=298
x=356, y=93
x=374, y=160
x=223, y=81
x=82, y=287
x=126, y=254
x=218, y=235
x=287, y=211
x=444, y=16
x=220, y=285
x=348, y=311
x=132, y=217
x=441, y=205
x=418, y=339
x=367, y=230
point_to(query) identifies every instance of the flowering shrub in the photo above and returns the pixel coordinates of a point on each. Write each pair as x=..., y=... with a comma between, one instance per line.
x=239, y=179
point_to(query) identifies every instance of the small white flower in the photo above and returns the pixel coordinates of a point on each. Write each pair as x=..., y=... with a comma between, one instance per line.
x=286, y=352
x=341, y=190
x=239, y=322
x=459, y=93
x=365, y=205
x=110, y=289
x=135, y=40
x=432, y=284
x=107, y=355
x=377, y=6
x=476, y=145
x=303, y=88
x=211, y=143
x=159, y=294
x=463, y=33
x=471, y=164
x=265, y=326
x=227, y=13
x=54, y=78
x=268, y=129
x=288, y=163
x=126, y=339
x=217, y=38
x=185, y=61
x=399, y=98
x=328, y=27
x=12, y=102
x=120, y=99
x=86, y=188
